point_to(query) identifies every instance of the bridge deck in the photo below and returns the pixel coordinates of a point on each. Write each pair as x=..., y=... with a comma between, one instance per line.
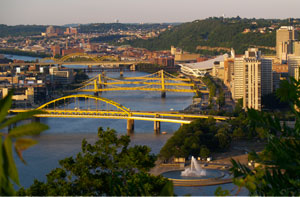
x=174, y=117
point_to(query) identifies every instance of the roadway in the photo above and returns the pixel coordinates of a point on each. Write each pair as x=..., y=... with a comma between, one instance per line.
x=172, y=117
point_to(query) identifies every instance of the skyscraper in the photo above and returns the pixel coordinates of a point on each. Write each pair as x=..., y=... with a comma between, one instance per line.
x=252, y=78
x=285, y=36
x=294, y=64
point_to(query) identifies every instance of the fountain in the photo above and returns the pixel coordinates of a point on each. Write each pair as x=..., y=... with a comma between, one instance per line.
x=194, y=170
x=194, y=175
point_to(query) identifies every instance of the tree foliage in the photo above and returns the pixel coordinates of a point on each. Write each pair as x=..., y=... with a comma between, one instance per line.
x=279, y=171
x=106, y=27
x=109, y=167
x=80, y=76
x=21, y=30
x=214, y=32
x=17, y=138
x=191, y=139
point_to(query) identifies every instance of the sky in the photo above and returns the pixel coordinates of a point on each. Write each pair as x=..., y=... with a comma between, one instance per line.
x=60, y=12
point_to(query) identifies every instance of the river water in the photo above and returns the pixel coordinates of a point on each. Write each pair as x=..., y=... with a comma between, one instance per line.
x=64, y=137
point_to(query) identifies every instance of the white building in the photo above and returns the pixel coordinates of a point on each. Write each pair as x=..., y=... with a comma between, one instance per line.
x=252, y=78
x=199, y=69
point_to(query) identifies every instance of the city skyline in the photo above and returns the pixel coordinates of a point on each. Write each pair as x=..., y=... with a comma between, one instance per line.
x=55, y=12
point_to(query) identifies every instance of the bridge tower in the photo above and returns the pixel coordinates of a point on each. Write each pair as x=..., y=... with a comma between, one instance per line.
x=121, y=72
x=97, y=86
x=90, y=68
x=163, y=89
x=133, y=67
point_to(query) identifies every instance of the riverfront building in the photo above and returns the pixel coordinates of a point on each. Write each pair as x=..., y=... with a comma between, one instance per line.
x=252, y=78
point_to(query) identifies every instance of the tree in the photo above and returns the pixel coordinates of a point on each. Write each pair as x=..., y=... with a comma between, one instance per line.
x=204, y=151
x=189, y=139
x=223, y=137
x=221, y=99
x=109, y=167
x=278, y=172
x=80, y=76
x=57, y=56
x=15, y=137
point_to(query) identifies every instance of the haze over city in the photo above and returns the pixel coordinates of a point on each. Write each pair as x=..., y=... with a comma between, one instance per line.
x=60, y=12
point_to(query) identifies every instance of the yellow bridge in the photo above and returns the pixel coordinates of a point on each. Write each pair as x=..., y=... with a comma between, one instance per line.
x=86, y=56
x=160, y=81
x=81, y=59
x=88, y=106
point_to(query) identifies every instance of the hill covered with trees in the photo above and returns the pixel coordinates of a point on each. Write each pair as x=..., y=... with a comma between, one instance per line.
x=21, y=30
x=106, y=27
x=213, y=35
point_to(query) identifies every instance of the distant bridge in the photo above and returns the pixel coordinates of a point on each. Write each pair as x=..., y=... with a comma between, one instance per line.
x=160, y=81
x=88, y=106
x=89, y=60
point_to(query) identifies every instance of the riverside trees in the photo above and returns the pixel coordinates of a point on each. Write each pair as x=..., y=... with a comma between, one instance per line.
x=198, y=138
x=109, y=167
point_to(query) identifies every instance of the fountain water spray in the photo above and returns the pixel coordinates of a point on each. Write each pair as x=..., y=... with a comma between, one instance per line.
x=194, y=170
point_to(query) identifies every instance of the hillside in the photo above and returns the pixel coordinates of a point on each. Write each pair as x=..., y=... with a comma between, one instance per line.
x=30, y=30
x=106, y=27
x=21, y=30
x=203, y=36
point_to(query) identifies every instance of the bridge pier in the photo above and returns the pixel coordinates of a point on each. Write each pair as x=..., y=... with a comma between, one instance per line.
x=36, y=119
x=90, y=69
x=133, y=67
x=157, y=127
x=182, y=118
x=130, y=126
x=163, y=94
x=97, y=94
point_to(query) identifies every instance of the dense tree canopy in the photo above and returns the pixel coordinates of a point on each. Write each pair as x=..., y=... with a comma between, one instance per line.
x=197, y=138
x=106, y=27
x=109, y=167
x=214, y=32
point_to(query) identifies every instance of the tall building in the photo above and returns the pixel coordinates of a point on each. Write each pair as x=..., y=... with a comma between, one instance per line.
x=252, y=78
x=296, y=48
x=56, y=50
x=238, y=78
x=285, y=36
x=50, y=30
x=294, y=64
x=228, y=71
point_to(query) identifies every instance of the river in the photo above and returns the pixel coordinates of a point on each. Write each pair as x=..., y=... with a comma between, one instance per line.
x=64, y=137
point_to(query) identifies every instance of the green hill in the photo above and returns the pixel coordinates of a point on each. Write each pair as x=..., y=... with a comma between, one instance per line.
x=216, y=32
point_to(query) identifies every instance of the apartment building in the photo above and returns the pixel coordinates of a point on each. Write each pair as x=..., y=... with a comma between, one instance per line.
x=252, y=78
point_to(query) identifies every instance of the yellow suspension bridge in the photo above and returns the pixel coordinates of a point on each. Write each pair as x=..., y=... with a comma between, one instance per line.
x=89, y=106
x=160, y=81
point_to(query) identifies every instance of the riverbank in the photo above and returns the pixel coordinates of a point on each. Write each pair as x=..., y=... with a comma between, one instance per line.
x=23, y=53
